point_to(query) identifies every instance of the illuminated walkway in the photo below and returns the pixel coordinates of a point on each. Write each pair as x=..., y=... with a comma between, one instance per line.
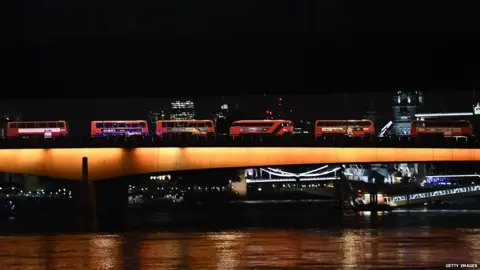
x=418, y=198
x=107, y=163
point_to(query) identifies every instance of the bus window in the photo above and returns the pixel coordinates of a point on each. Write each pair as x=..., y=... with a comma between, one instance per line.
x=209, y=124
x=360, y=124
x=51, y=125
x=121, y=125
x=98, y=125
x=21, y=125
x=134, y=125
x=143, y=125
x=61, y=125
x=13, y=125
x=42, y=125
x=108, y=125
x=30, y=125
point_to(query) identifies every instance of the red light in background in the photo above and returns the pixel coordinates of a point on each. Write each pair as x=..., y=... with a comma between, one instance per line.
x=359, y=191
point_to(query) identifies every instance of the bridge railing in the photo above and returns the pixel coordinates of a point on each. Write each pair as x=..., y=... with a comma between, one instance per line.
x=434, y=194
x=243, y=141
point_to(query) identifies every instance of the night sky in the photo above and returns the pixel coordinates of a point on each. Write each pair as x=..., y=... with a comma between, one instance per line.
x=89, y=47
x=136, y=48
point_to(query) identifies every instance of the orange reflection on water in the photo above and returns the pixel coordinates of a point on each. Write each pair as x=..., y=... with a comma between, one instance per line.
x=160, y=250
x=22, y=252
x=294, y=249
x=106, y=252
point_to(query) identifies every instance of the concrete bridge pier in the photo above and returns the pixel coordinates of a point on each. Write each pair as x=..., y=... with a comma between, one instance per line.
x=87, y=200
x=104, y=203
x=340, y=190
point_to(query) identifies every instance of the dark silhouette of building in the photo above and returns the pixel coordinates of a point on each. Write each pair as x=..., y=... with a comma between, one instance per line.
x=153, y=117
x=221, y=118
x=8, y=117
x=405, y=105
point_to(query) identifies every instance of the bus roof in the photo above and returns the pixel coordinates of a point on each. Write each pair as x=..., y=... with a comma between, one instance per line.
x=40, y=121
x=263, y=120
x=119, y=121
x=365, y=120
x=184, y=120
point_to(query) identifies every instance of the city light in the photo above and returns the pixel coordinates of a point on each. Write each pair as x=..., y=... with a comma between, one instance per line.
x=422, y=115
x=432, y=179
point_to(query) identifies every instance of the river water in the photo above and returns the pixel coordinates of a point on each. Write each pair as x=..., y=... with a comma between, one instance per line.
x=402, y=239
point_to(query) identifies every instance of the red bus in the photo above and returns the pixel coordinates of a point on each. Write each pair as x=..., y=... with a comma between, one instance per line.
x=447, y=128
x=119, y=128
x=196, y=127
x=353, y=128
x=262, y=127
x=28, y=129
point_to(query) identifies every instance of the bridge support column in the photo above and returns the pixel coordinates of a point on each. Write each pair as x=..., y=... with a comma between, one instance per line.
x=104, y=204
x=341, y=191
x=88, y=199
x=422, y=172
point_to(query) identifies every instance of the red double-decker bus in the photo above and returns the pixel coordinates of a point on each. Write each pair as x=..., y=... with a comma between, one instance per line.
x=197, y=127
x=29, y=129
x=446, y=128
x=353, y=128
x=262, y=127
x=119, y=128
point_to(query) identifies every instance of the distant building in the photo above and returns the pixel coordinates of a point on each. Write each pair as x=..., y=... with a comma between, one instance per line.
x=405, y=105
x=182, y=110
x=220, y=119
x=7, y=117
x=275, y=108
x=303, y=127
x=153, y=117
x=222, y=114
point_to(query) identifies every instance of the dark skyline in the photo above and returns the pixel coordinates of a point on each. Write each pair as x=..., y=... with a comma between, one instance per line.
x=78, y=112
x=93, y=47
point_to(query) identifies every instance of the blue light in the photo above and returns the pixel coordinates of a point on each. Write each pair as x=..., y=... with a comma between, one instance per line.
x=435, y=180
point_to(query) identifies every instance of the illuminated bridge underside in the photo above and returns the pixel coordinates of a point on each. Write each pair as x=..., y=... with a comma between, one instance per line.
x=115, y=162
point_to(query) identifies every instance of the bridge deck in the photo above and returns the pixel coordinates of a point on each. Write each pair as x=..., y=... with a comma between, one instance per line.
x=245, y=141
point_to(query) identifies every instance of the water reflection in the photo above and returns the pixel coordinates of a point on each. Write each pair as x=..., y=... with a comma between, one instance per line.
x=243, y=249
x=105, y=251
